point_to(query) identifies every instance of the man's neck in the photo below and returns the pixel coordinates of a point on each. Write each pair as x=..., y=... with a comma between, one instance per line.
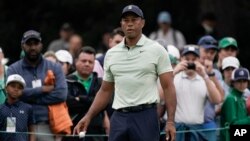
x=12, y=100
x=190, y=75
x=165, y=31
x=83, y=77
x=33, y=63
x=131, y=42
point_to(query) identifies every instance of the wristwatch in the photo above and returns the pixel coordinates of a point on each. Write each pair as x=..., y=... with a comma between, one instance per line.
x=211, y=74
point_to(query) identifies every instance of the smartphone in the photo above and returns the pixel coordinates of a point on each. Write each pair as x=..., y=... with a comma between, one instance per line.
x=191, y=66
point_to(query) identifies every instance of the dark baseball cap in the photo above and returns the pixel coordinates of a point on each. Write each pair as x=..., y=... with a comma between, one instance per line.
x=133, y=9
x=240, y=74
x=191, y=49
x=208, y=42
x=31, y=34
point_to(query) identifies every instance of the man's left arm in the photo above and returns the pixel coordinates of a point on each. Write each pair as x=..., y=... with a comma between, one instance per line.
x=168, y=87
x=59, y=93
x=165, y=72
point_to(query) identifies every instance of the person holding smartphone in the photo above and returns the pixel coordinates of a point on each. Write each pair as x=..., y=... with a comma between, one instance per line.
x=193, y=88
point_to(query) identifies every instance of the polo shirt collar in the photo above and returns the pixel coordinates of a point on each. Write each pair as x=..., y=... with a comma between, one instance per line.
x=16, y=104
x=236, y=93
x=184, y=75
x=140, y=43
x=79, y=78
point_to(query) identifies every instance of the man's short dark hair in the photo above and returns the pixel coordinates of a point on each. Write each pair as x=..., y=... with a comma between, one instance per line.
x=87, y=49
x=117, y=31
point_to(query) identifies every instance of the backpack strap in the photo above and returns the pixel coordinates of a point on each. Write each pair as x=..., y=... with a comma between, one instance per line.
x=174, y=37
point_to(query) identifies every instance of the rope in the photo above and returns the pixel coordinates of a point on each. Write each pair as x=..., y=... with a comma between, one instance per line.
x=104, y=135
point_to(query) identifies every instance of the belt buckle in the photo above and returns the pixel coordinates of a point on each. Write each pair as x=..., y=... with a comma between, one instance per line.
x=125, y=110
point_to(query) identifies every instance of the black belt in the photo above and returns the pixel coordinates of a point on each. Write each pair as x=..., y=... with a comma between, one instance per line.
x=137, y=108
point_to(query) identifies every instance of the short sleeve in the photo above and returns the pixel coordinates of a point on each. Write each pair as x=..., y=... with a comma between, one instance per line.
x=163, y=62
x=108, y=76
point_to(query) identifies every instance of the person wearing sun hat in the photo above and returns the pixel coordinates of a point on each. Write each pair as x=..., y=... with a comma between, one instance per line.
x=234, y=110
x=228, y=46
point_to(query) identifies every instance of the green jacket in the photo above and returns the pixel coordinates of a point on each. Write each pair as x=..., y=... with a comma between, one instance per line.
x=233, y=112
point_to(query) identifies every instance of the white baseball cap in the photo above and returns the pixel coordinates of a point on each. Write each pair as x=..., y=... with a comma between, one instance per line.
x=15, y=78
x=173, y=51
x=230, y=62
x=64, y=56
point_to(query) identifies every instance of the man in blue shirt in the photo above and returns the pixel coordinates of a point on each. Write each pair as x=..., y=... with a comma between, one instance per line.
x=33, y=67
x=15, y=116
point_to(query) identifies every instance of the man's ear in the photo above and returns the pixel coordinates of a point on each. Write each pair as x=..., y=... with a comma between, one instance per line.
x=143, y=23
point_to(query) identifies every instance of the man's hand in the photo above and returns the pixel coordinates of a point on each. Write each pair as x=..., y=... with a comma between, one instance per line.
x=200, y=69
x=82, y=125
x=170, y=131
x=208, y=66
x=47, y=88
x=180, y=67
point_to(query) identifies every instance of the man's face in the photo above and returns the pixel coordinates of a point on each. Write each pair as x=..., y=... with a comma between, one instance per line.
x=190, y=58
x=85, y=64
x=115, y=40
x=207, y=54
x=132, y=25
x=164, y=26
x=229, y=51
x=32, y=49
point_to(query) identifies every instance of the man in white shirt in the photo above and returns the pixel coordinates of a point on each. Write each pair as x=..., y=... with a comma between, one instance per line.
x=193, y=88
